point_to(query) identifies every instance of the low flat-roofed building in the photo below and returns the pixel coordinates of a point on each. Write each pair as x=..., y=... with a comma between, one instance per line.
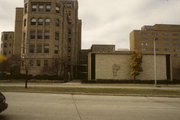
x=116, y=66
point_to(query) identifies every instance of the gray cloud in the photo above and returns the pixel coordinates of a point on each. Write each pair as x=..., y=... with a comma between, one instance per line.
x=108, y=21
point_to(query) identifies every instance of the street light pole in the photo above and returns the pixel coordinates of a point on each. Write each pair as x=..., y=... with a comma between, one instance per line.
x=155, y=70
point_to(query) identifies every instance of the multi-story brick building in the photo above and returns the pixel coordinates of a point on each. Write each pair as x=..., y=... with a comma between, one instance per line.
x=51, y=29
x=46, y=30
x=165, y=38
x=7, y=40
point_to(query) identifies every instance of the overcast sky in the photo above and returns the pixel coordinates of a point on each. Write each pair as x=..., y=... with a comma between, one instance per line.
x=108, y=21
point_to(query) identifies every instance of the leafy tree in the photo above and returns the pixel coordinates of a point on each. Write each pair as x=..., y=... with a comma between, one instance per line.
x=58, y=67
x=11, y=65
x=136, y=64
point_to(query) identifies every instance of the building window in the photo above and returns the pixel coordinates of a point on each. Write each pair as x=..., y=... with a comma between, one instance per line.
x=144, y=49
x=175, y=34
x=46, y=34
x=165, y=39
x=31, y=62
x=69, y=40
x=25, y=8
x=143, y=33
x=46, y=48
x=57, y=9
x=38, y=62
x=48, y=8
x=34, y=7
x=45, y=62
x=39, y=34
x=24, y=22
x=69, y=49
x=5, y=45
x=6, y=37
x=165, y=34
x=40, y=21
x=47, y=21
x=56, y=35
x=56, y=49
x=39, y=48
x=176, y=39
x=144, y=38
x=32, y=34
x=69, y=31
x=57, y=22
x=31, y=48
x=33, y=21
x=154, y=34
x=41, y=8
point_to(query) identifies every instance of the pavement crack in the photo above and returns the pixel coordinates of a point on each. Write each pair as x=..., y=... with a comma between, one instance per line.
x=79, y=115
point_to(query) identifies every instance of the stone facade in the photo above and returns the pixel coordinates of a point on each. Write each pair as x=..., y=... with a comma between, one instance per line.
x=46, y=30
x=116, y=66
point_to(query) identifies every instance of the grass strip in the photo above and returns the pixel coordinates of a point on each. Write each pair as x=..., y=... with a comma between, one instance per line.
x=113, y=91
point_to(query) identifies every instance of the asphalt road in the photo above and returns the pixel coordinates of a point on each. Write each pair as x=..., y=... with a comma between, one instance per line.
x=38, y=106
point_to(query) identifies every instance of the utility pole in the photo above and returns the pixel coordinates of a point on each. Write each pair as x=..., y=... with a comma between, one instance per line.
x=155, y=65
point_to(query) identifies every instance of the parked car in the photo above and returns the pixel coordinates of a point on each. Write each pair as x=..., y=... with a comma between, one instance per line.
x=3, y=104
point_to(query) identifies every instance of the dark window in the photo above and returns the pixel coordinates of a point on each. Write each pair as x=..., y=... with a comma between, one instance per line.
x=46, y=34
x=40, y=21
x=56, y=49
x=39, y=48
x=24, y=22
x=31, y=48
x=48, y=8
x=40, y=34
x=56, y=35
x=47, y=21
x=38, y=63
x=33, y=21
x=57, y=22
x=34, y=7
x=165, y=34
x=32, y=34
x=69, y=39
x=69, y=49
x=31, y=62
x=45, y=62
x=46, y=48
x=6, y=37
x=69, y=31
x=41, y=8
x=57, y=9
x=5, y=45
x=25, y=8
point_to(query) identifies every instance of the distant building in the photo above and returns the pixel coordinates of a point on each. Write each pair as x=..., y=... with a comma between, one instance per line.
x=7, y=40
x=167, y=41
x=103, y=48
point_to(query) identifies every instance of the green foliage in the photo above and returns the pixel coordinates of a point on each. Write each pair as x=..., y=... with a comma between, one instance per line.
x=11, y=65
x=136, y=64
